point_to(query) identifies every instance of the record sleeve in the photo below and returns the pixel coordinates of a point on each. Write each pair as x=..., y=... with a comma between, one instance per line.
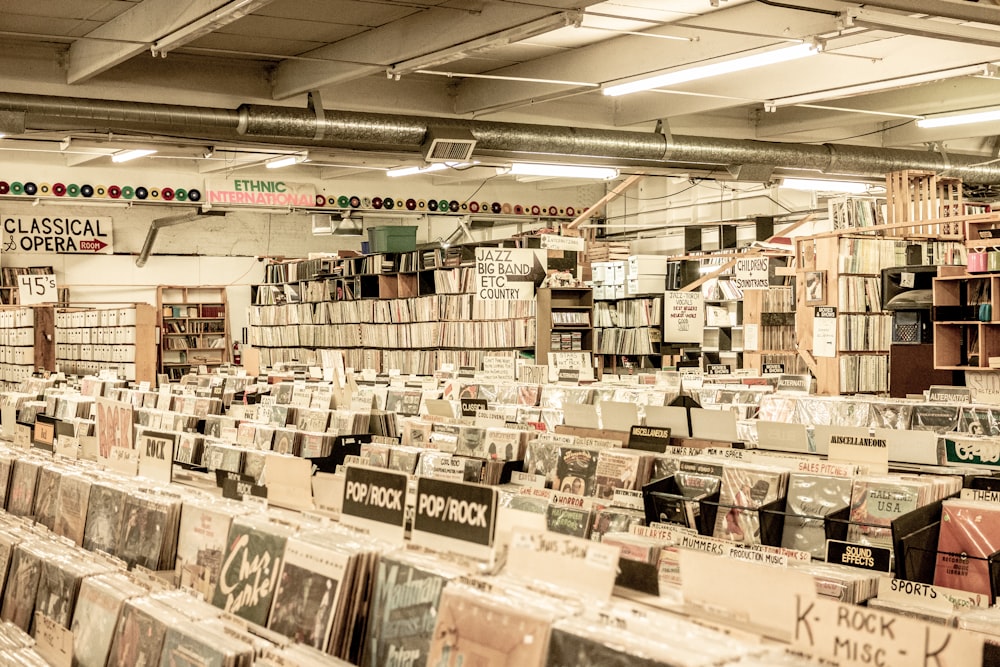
x=744, y=490
x=47, y=496
x=141, y=629
x=95, y=618
x=204, y=529
x=104, y=517
x=143, y=531
x=251, y=564
x=811, y=497
x=309, y=587
x=22, y=487
x=576, y=470
x=970, y=534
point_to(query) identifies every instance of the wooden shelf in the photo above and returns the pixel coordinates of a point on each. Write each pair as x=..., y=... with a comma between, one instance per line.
x=173, y=298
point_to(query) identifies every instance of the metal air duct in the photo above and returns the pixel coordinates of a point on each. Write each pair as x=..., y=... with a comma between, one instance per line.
x=386, y=132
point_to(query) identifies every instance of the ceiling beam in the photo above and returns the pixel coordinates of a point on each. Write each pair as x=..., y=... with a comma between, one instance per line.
x=130, y=33
x=374, y=51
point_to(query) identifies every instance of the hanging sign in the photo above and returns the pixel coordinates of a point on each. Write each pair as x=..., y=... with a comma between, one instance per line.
x=556, y=242
x=751, y=273
x=259, y=192
x=683, y=317
x=37, y=289
x=69, y=235
x=508, y=273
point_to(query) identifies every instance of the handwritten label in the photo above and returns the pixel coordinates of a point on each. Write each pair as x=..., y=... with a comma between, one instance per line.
x=35, y=289
x=683, y=317
x=52, y=641
x=751, y=273
x=67, y=446
x=825, y=331
x=22, y=436
x=556, y=242
x=565, y=562
x=156, y=456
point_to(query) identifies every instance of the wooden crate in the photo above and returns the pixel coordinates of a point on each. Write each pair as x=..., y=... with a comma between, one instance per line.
x=916, y=196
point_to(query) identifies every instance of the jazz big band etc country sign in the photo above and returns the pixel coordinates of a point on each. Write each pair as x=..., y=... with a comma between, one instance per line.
x=56, y=234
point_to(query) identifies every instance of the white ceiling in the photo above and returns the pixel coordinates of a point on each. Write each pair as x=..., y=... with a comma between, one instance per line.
x=350, y=51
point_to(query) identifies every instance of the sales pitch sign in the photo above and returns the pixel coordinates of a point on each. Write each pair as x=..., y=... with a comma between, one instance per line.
x=57, y=234
x=503, y=274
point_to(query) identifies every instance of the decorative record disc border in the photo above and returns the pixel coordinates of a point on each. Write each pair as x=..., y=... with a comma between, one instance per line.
x=99, y=191
x=415, y=204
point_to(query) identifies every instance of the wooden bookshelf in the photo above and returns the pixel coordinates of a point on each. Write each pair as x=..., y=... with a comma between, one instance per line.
x=962, y=339
x=194, y=328
x=561, y=312
x=119, y=339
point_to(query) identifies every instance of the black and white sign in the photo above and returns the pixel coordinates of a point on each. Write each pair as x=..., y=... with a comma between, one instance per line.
x=719, y=369
x=375, y=502
x=87, y=236
x=825, y=331
x=156, y=455
x=236, y=489
x=455, y=516
x=751, y=273
x=470, y=406
x=649, y=439
x=795, y=384
x=508, y=273
x=877, y=559
x=946, y=394
x=569, y=375
x=773, y=369
x=37, y=289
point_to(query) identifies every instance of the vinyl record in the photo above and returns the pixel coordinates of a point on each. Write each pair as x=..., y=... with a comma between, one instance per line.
x=518, y=209
x=127, y=192
x=4, y=187
x=17, y=188
x=453, y=206
x=180, y=194
x=411, y=204
x=58, y=189
x=331, y=201
x=355, y=201
x=432, y=205
x=87, y=190
x=400, y=204
x=496, y=207
x=114, y=191
x=421, y=204
x=168, y=194
x=44, y=189
x=570, y=211
x=194, y=194
x=154, y=193
x=484, y=206
x=535, y=209
x=140, y=192
x=343, y=201
x=474, y=206
x=100, y=190
x=376, y=202
x=388, y=203
x=505, y=208
x=465, y=206
x=366, y=202
x=320, y=200
x=562, y=211
x=443, y=205
x=30, y=188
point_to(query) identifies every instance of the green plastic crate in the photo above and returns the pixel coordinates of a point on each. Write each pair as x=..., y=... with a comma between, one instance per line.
x=392, y=239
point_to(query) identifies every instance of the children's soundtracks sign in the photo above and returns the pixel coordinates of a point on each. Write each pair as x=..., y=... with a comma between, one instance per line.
x=56, y=234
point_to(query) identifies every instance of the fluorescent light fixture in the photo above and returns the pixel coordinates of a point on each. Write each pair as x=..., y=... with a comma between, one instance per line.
x=559, y=171
x=985, y=69
x=501, y=38
x=715, y=69
x=436, y=166
x=131, y=154
x=960, y=119
x=921, y=27
x=819, y=185
x=211, y=22
x=285, y=161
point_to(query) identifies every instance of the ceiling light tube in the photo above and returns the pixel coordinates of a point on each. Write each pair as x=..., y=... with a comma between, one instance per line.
x=715, y=69
x=410, y=171
x=285, y=161
x=223, y=16
x=559, y=171
x=968, y=118
x=820, y=185
x=131, y=154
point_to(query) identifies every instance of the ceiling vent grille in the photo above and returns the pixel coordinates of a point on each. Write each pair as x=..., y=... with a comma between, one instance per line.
x=448, y=145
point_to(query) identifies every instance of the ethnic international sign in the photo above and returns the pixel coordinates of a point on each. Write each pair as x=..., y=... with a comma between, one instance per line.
x=53, y=234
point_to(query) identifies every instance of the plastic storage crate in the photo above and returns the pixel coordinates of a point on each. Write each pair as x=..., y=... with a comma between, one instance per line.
x=392, y=239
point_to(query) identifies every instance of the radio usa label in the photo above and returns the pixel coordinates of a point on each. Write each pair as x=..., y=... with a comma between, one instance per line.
x=68, y=235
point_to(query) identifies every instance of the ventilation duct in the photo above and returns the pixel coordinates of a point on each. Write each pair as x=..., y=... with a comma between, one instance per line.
x=386, y=132
x=448, y=145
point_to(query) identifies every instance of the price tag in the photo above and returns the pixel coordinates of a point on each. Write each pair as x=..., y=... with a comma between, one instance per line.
x=52, y=641
x=37, y=289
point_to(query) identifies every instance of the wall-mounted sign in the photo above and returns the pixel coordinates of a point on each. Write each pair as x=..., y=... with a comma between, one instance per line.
x=508, y=273
x=259, y=192
x=86, y=236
